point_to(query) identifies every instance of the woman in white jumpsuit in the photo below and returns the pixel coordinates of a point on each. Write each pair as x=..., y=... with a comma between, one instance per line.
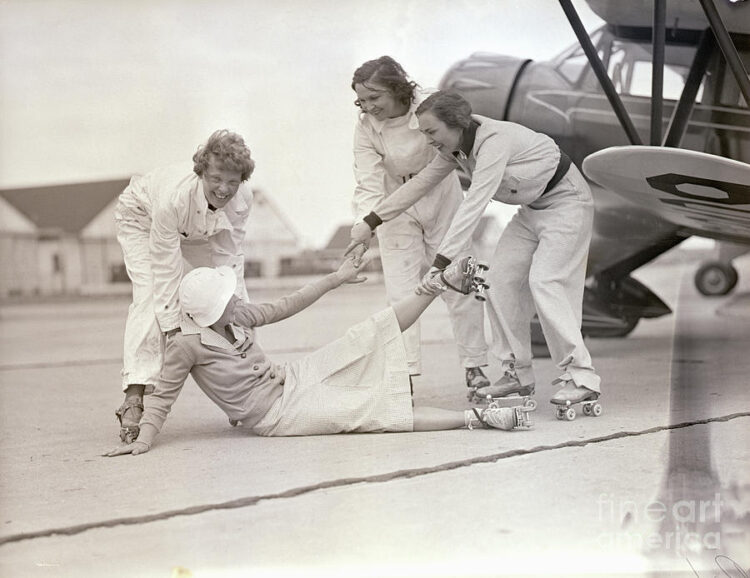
x=389, y=150
x=539, y=264
x=195, y=212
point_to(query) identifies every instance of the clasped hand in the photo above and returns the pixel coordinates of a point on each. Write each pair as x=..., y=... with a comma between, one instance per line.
x=360, y=242
x=431, y=284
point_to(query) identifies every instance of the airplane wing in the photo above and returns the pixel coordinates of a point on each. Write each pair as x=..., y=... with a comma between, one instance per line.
x=703, y=194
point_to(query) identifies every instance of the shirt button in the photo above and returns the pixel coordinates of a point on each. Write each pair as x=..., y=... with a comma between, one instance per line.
x=256, y=367
x=243, y=355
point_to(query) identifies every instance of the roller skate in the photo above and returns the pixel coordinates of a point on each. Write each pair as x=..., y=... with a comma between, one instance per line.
x=130, y=424
x=475, y=378
x=506, y=389
x=569, y=395
x=465, y=277
x=504, y=418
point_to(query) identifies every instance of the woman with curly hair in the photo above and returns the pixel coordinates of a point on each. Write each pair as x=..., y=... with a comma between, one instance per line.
x=389, y=150
x=197, y=213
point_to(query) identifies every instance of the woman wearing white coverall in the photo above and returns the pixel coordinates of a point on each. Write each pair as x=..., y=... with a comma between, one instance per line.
x=197, y=212
x=388, y=150
x=540, y=260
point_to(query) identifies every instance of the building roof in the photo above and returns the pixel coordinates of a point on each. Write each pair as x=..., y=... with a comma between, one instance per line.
x=280, y=227
x=67, y=208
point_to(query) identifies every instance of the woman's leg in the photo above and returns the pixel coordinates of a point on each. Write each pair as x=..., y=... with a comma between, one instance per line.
x=466, y=313
x=435, y=418
x=402, y=257
x=557, y=279
x=142, y=351
x=504, y=418
x=509, y=305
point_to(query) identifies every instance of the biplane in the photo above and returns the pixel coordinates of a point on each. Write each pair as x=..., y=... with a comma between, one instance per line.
x=653, y=106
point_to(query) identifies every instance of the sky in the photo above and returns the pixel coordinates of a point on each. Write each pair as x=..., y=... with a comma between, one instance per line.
x=103, y=89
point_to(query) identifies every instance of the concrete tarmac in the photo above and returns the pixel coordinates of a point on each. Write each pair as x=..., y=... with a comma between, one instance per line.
x=658, y=485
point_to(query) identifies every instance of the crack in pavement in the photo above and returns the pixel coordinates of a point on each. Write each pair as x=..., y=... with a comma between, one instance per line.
x=342, y=482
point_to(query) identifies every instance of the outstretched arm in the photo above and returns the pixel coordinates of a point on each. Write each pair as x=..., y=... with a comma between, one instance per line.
x=257, y=314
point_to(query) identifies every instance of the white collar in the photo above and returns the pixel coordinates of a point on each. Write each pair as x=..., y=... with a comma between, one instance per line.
x=378, y=125
x=211, y=337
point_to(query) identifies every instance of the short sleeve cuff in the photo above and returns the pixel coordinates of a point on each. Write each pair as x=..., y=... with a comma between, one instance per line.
x=373, y=220
x=441, y=262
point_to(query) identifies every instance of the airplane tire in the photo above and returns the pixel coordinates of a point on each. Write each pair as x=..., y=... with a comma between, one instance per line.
x=715, y=279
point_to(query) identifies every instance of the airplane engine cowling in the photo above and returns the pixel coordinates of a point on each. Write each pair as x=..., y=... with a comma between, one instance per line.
x=487, y=81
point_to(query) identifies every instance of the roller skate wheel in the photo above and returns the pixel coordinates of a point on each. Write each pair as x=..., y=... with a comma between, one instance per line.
x=530, y=403
x=596, y=410
x=560, y=413
x=482, y=267
x=586, y=409
x=570, y=414
x=480, y=298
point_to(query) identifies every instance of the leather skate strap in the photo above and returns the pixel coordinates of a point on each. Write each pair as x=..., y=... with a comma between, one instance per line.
x=479, y=417
x=443, y=279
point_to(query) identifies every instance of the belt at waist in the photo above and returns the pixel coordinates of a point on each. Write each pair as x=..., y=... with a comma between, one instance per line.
x=562, y=167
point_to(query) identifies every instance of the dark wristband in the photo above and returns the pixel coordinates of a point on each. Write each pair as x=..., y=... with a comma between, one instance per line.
x=441, y=262
x=373, y=220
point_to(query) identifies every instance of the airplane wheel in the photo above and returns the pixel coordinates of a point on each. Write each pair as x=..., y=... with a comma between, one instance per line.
x=715, y=279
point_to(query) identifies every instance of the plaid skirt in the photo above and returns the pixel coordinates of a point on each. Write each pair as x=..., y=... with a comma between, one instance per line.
x=358, y=383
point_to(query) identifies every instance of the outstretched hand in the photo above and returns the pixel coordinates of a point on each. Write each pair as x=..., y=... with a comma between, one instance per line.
x=134, y=448
x=349, y=271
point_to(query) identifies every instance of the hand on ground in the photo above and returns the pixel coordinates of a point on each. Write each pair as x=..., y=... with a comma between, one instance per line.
x=134, y=448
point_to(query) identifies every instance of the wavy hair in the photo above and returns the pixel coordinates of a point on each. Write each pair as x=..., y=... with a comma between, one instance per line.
x=450, y=107
x=229, y=151
x=388, y=73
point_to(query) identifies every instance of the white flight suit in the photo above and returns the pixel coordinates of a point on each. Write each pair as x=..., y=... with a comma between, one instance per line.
x=162, y=219
x=387, y=154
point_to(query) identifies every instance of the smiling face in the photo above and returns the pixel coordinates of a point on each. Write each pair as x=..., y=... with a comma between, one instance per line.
x=379, y=102
x=220, y=184
x=439, y=135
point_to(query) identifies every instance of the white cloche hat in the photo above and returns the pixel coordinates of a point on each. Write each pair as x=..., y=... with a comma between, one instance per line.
x=205, y=292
